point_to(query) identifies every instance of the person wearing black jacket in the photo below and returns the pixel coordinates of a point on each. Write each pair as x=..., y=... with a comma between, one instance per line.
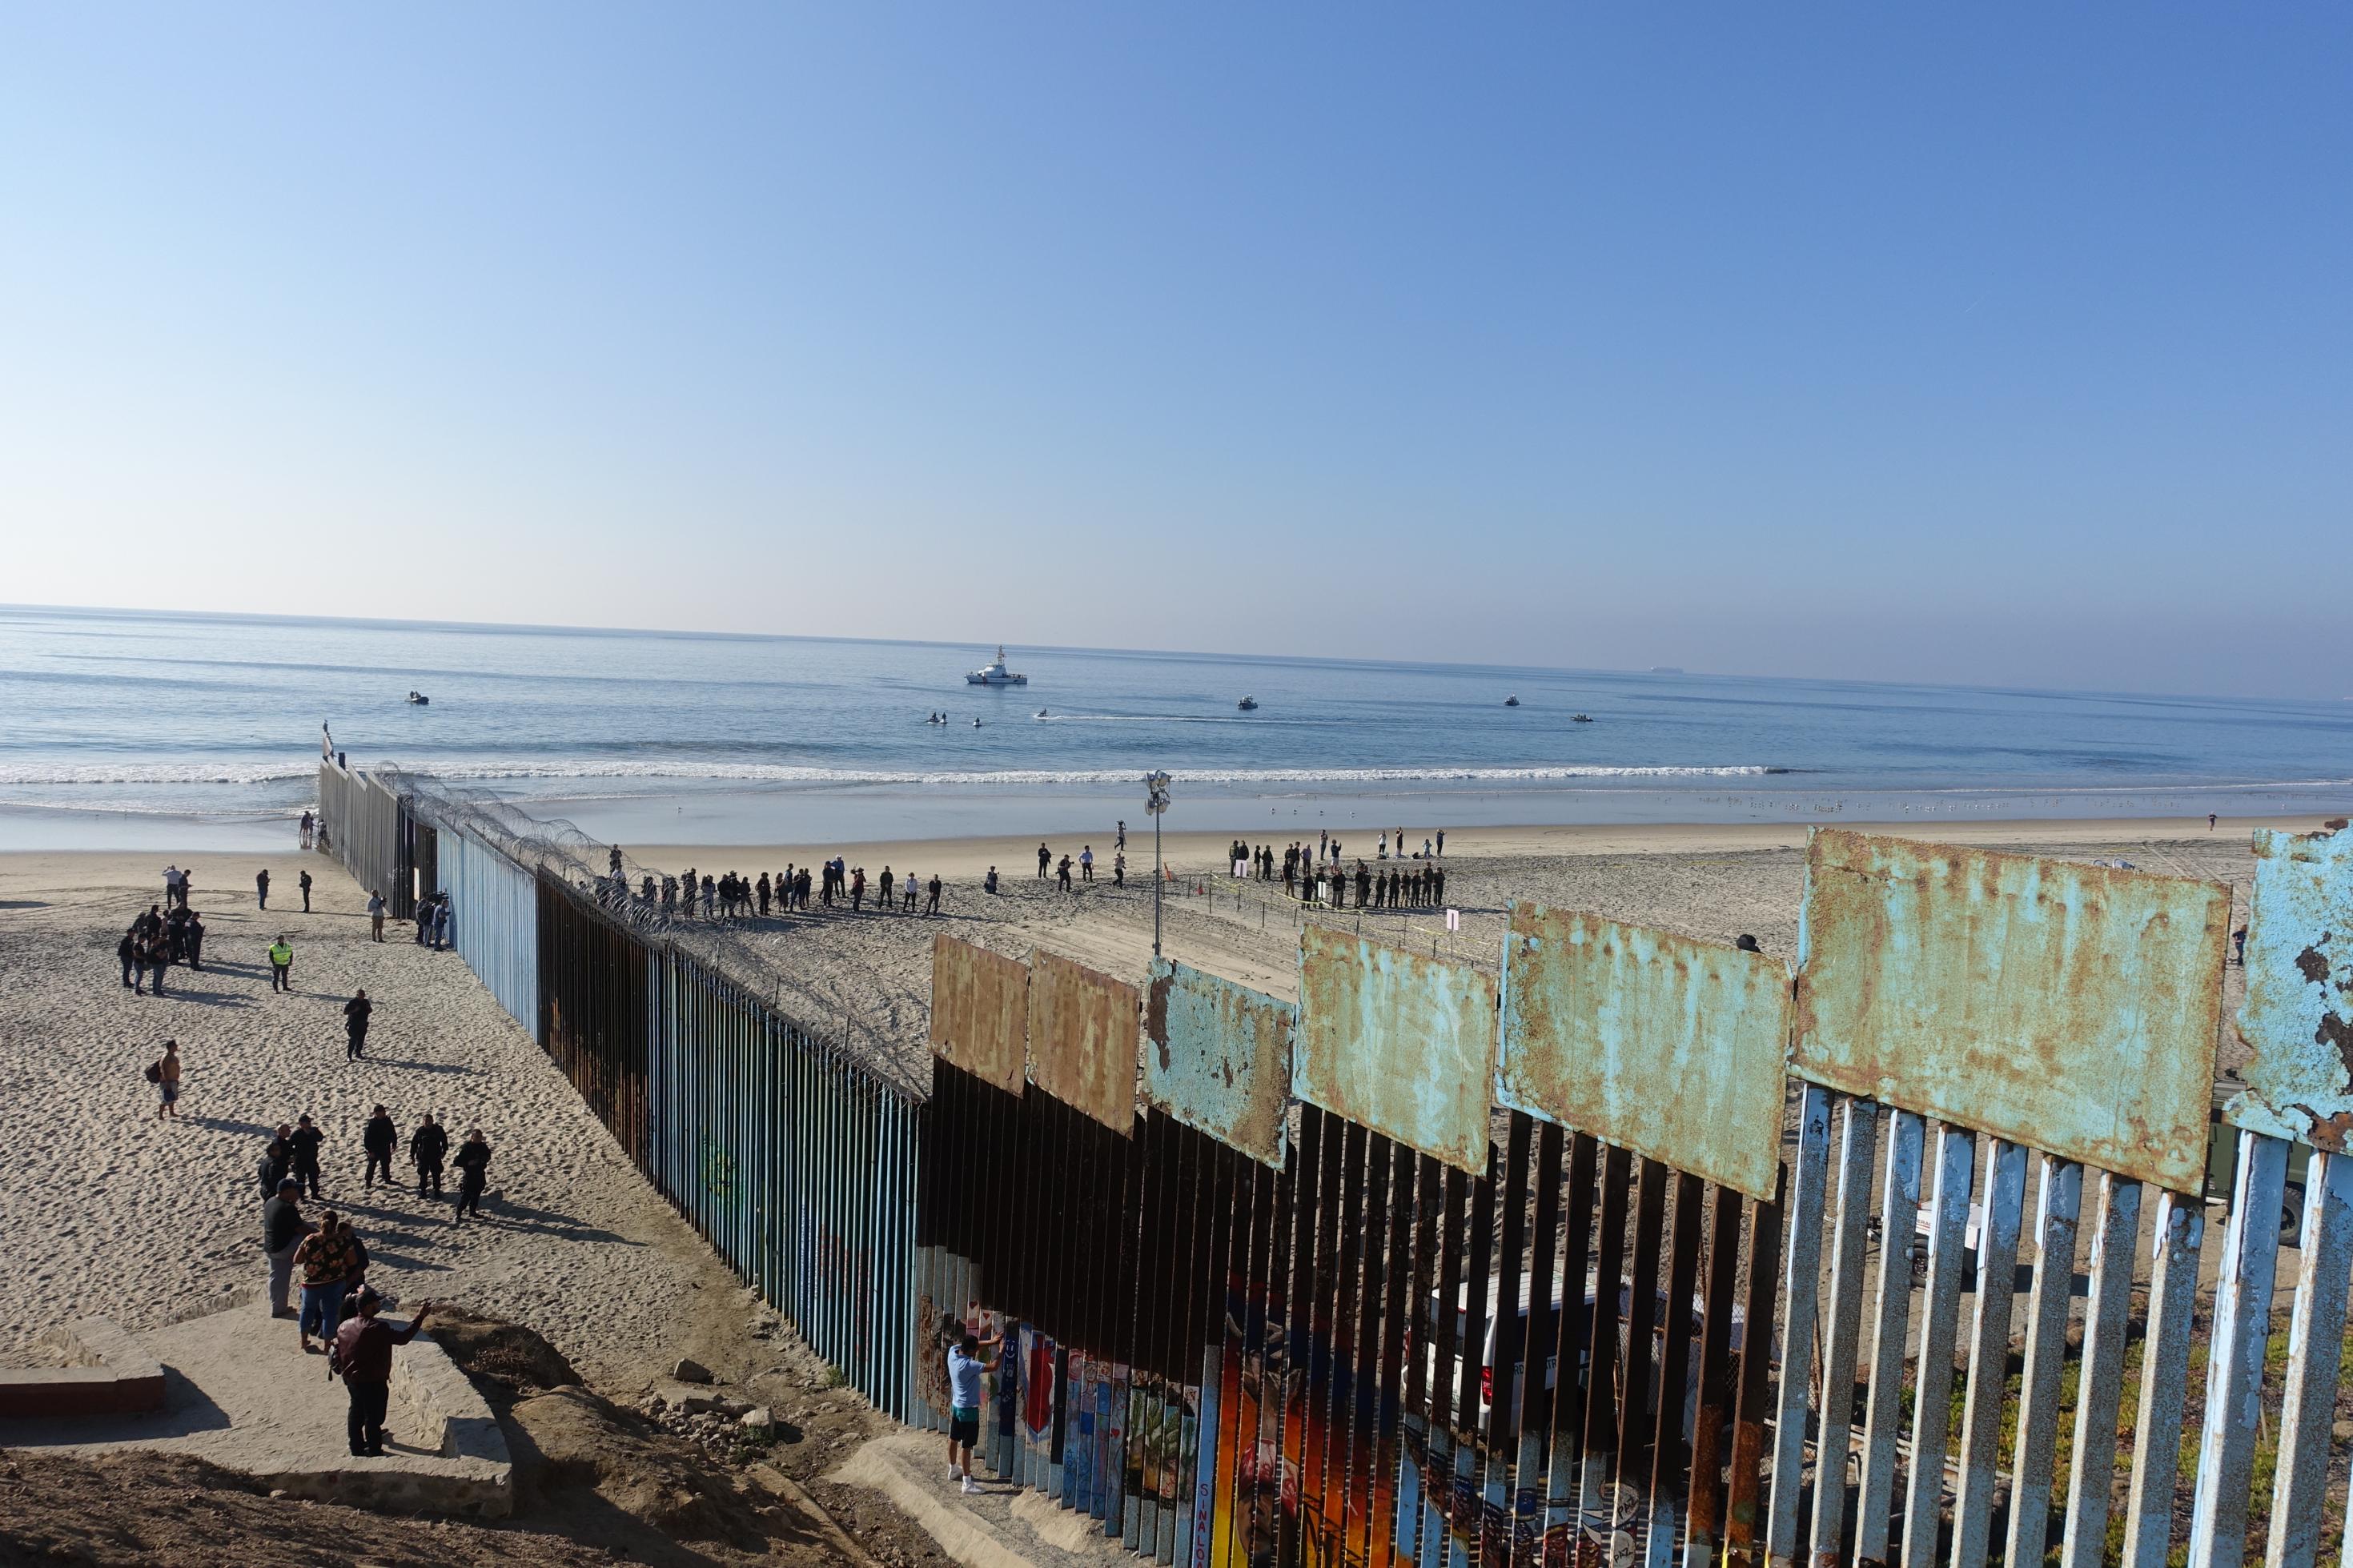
x=277, y=1161
x=127, y=950
x=379, y=1140
x=473, y=1175
x=356, y=1028
x=306, y=1139
x=427, y=1146
x=282, y=1230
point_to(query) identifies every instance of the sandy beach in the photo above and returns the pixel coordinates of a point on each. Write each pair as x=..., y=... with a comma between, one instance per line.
x=109, y=1211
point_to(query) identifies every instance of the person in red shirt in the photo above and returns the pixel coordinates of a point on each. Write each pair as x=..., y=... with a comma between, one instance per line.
x=363, y=1355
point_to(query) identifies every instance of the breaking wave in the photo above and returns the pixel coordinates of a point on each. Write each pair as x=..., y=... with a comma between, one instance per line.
x=789, y=773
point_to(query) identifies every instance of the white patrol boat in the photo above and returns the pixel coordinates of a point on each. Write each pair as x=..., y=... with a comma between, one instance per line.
x=996, y=674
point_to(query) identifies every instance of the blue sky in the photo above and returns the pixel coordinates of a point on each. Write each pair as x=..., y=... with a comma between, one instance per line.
x=1997, y=343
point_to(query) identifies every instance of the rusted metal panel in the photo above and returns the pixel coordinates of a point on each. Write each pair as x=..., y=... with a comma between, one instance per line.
x=1598, y=1015
x=980, y=1010
x=2074, y=1008
x=1402, y=1044
x=2298, y=1018
x=1082, y=1033
x=1219, y=1057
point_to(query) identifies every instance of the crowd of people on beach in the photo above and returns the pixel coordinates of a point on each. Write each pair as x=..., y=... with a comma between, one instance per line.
x=1319, y=874
x=730, y=896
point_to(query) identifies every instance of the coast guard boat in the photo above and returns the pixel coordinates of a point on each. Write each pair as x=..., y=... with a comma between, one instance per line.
x=996, y=674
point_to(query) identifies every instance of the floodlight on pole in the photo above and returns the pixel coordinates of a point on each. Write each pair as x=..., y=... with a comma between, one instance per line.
x=1155, y=802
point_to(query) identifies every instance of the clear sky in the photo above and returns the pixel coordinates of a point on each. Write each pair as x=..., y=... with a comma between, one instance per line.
x=2008, y=343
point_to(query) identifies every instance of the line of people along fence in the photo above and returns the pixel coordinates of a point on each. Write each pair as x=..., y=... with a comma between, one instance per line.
x=1440, y=1265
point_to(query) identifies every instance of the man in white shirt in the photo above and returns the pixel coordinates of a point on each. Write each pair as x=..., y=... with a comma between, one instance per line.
x=966, y=1365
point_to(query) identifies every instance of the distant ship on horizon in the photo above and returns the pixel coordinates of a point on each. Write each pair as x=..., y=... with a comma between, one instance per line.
x=1666, y=670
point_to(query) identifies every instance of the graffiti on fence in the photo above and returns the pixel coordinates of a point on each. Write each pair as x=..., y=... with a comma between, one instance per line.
x=1082, y=1033
x=2074, y=1008
x=1219, y=1057
x=2297, y=1019
x=1399, y=1043
x=1598, y=1015
x=980, y=1010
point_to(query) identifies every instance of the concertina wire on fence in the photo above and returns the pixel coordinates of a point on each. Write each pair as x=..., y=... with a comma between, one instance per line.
x=1298, y=1303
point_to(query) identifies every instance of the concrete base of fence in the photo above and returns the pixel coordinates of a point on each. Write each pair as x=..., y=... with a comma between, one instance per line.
x=1001, y=1526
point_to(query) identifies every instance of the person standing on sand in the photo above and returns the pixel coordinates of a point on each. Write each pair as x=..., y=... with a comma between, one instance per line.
x=2210, y=822
x=127, y=950
x=1118, y=870
x=934, y=907
x=473, y=1175
x=193, y=939
x=165, y=1075
x=325, y=1263
x=306, y=830
x=355, y=1024
x=887, y=886
x=159, y=959
x=306, y=1140
x=910, y=892
x=427, y=1146
x=967, y=1366
x=1086, y=863
x=760, y=892
x=305, y=884
x=277, y=1160
x=261, y=886
x=1062, y=873
x=988, y=883
x=1045, y=860
x=375, y=907
x=857, y=890
x=362, y=1353
x=281, y=964
x=282, y=1230
x=378, y=1139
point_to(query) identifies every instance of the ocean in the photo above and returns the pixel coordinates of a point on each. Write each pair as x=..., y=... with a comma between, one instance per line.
x=136, y=730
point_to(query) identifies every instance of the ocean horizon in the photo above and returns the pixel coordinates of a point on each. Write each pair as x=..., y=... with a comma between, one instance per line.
x=138, y=727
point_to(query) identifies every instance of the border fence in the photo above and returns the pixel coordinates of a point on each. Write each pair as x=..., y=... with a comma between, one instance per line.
x=1625, y=1247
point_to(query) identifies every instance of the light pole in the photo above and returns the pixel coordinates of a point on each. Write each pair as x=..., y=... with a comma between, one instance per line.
x=1156, y=801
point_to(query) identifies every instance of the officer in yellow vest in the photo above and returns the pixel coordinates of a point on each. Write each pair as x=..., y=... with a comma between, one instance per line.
x=282, y=961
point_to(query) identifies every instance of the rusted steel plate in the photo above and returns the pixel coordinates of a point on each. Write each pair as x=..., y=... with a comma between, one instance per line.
x=980, y=1010
x=1217, y=1058
x=1597, y=1015
x=2297, y=1019
x=2070, y=1008
x=1402, y=1044
x=1082, y=1039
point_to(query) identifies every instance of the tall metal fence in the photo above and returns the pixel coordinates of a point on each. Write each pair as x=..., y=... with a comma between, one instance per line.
x=796, y=1157
x=368, y=831
x=1623, y=1248
x=1557, y=1270
x=494, y=922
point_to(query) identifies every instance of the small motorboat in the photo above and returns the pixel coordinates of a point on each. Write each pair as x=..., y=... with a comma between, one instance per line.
x=975, y=723
x=1580, y=718
x=1511, y=701
x=418, y=699
x=1043, y=714
x=1248, y=705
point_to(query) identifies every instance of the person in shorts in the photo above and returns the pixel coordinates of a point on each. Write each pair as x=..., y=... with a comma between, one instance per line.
x=966, y=1365
x=165, y=1075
